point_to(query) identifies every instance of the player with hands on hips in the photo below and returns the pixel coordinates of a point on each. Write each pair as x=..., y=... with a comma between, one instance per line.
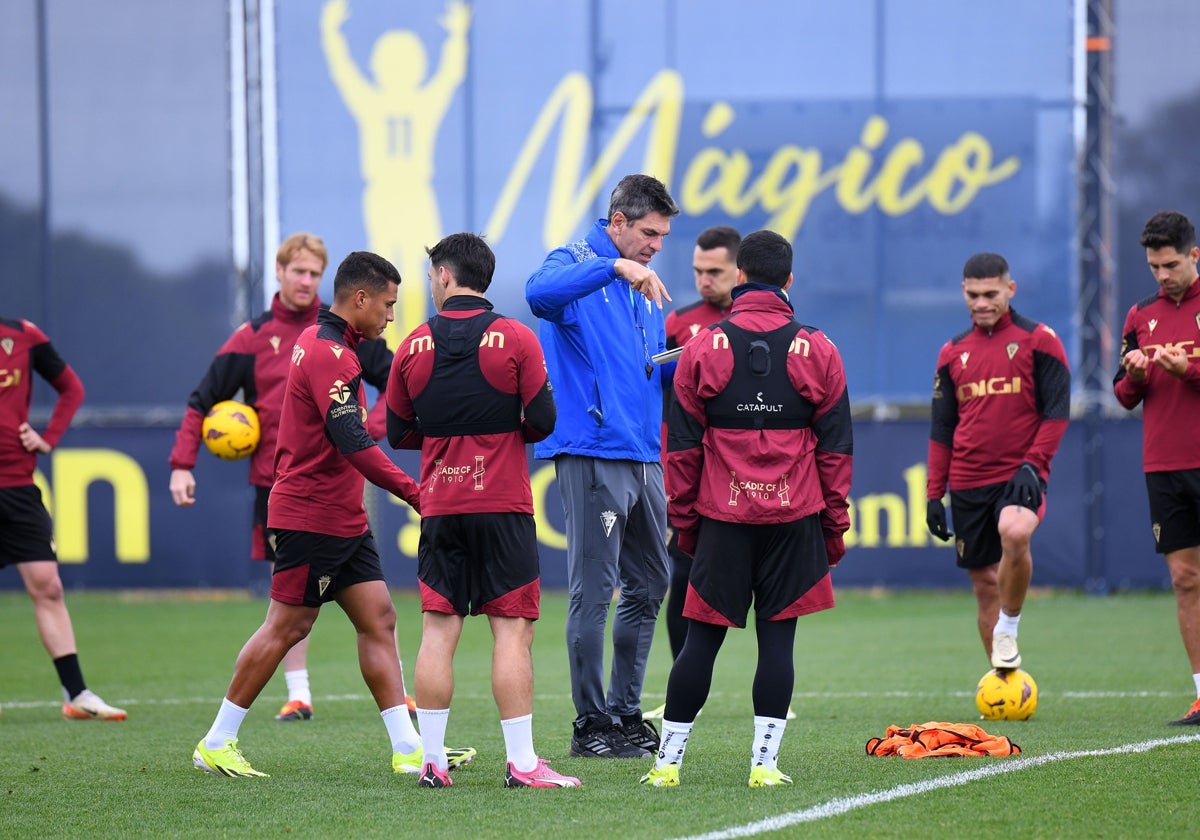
x=1001, y=403
x=26, y=530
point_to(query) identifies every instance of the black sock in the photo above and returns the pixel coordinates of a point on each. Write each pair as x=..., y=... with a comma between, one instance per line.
x=70, y=675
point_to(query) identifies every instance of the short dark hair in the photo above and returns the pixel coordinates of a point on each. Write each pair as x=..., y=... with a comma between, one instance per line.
x=1168, y=229
x=639, y=195
x=363, y=270
x=468, y=257
x=720, y=236
x=985, y=265
x=765, y=257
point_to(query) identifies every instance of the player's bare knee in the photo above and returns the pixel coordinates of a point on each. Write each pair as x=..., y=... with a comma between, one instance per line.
x=1185, y=580
x=1015, y=534
x=45, y=591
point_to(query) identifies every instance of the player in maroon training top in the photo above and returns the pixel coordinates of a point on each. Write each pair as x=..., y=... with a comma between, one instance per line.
x=26, y=532
x=1160, y=350
x=758, y=471
x=1001, y=402
x=469, y=388
x=324, y=550
x=714, y=264
x=255, y=361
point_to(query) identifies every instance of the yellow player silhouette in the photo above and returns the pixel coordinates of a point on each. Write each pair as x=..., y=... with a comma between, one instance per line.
x=398, y=120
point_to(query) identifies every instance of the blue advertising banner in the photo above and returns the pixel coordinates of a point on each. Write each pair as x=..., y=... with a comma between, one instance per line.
x=116, y=526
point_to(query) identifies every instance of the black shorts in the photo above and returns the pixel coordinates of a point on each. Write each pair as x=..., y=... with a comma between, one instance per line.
x=975, y=514
x=473, y=563
x=26, y=532
x=311, y=569
x=261, y=548
x=783, y=568
x=1174, y=509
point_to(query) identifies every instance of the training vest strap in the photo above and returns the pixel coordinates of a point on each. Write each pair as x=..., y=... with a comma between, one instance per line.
x=759, y=394
x=458, y=399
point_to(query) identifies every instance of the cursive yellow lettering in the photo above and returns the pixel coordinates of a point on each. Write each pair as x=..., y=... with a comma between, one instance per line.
x=572, y=194
x=853, y=192
x=962, y=170
x=792, y=178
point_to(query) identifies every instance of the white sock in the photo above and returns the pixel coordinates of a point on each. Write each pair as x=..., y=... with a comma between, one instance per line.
x=225, y=727
x=1007, y=624
x=768, y=734
x=433, y=735
x=673, y=743
x=400, y=730
x=1196, y=679
x=518, y=742
x=297, y=686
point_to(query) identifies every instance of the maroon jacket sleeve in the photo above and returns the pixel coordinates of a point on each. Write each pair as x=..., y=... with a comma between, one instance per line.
x=1128, y=392
x=403, y=431
x=1052, y=378
x=70, y=397
x=380, y=471
x=539, y=413
x=50, y=366
x=835, y=440
x=939, y=470
x=685, y=436
x=943, y=421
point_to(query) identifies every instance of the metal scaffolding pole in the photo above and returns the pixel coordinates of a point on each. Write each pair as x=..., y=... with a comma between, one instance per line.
x=1098, y=280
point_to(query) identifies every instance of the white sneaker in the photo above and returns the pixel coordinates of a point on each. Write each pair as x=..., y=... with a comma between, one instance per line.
x=1005, y=655
x=88, y=706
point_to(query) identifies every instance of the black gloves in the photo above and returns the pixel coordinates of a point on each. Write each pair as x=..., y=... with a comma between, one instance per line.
x=1024, y=488
x=935, y=519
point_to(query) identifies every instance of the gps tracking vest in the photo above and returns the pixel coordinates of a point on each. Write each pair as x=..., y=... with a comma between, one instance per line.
x=759, y=394
x=476, y=407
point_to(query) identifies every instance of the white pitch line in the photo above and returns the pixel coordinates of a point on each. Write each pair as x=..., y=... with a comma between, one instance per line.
x=843, y=804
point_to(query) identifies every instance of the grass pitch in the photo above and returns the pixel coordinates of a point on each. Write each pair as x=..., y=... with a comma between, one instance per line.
x=1098, y=759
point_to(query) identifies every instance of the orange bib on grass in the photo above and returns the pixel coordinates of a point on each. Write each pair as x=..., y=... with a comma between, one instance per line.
x=938, y=739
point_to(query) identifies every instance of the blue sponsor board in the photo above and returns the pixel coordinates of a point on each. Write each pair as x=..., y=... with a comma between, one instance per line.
x=118, y=528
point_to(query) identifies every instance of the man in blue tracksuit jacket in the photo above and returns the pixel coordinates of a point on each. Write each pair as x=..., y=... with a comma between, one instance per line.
x=601, y=315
